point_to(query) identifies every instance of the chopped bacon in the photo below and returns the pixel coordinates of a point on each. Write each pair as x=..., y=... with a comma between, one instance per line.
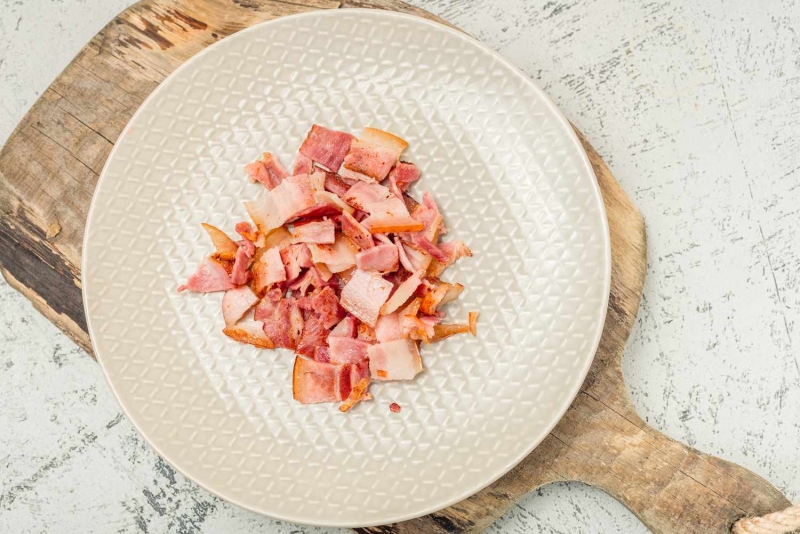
x=318, y=210
x=426, y=245
x=326, y=305
x=313, y=381
x=388, y=328
x=443, y=331
x=366, y=332
x=268, y=170
x=364, y=295
x=391, y=215
x=296, y=258
x=438, y=294
x=225, y=247
x=356, y=394
x=326, y=147
x=322, y=354
x=210, y=276
x=291, y=197
x=345, y=328
x=399, y=360
x=268, y=270
x=453, y=250
x=402, y=176
x=336, y=185
x=302, y=164
x=310, y=278
x=333, y=201
x=251, y=332
x=338, y=257
x=384, y=139
x=285, y=326
x=355, y=231
x=364, y=196
x=245, y=229
x=314, y=335
x=383, y=258
x=394, y=407
x=347, y=269
x=473, y=323
x=373, y=161
x=318, y=232
x=347, y=349
x=403, y=292
x=236, y=302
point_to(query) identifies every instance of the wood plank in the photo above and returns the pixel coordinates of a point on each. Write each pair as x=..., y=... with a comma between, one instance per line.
x=48, y=171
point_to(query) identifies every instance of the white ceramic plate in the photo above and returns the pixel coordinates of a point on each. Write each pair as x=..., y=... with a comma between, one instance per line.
x=512, y=181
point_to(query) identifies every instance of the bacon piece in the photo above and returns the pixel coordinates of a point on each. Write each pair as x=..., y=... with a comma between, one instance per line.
x=388, y=328
x=326, y=305
x=265, y=307
x=364, y=295
x=224, y=247
x=394, y=407
x=402, y=176
x=295, y=258
x=236, y=302
x=426, y=245
x=285, y=202
x=437, y=294
x=399, y=360
x=391, y=215
x=347, y=350
x=336, y=185
x=345, y=328
x=278, y=237
x=326, y=147
x=443, y=331
x=317, y=211
x=383, y=258
x=343, y=383
x=285, y=326
x=251, y=332
x=354, y=230
x=336, y=203
x=314, y=335
x=373, y=161
x=302, y=164
x=367, y=333
x=364, y=196
x=453, y=250
x=210, y=276
x=405, y=261
x=318, y=232
x=356, y=394
x=313, y=381
x=419, y=260
x=338, y=257
x=322, y=354
x=245, y=229
x=310, y=278
x=403, y=292
x=384, y=139
x=268, y=270
x=268, y=170
x=473, y=323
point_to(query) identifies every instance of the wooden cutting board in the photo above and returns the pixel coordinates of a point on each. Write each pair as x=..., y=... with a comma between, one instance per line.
x=48, y=171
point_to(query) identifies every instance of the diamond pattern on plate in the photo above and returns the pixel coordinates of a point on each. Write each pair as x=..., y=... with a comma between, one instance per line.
x=512, y=181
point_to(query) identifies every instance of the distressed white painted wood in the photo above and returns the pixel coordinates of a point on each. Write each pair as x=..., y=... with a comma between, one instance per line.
x=693, y=105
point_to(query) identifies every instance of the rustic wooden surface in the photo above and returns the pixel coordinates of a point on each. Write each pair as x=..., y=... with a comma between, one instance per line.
x=49, y=168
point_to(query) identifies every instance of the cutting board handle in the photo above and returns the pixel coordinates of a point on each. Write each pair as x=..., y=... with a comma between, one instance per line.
x=602, y=441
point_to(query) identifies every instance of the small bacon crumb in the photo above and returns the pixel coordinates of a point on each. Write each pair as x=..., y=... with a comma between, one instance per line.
x=473, y=323
x=394, y=407
x=355, y=395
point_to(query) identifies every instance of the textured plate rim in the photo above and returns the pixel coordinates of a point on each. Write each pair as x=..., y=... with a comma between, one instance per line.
x=607, y=263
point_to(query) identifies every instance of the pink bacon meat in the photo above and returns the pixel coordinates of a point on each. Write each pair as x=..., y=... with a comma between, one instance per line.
x=342, y=267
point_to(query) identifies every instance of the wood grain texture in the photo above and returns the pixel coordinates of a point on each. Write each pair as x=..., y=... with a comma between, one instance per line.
x=49, y=168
